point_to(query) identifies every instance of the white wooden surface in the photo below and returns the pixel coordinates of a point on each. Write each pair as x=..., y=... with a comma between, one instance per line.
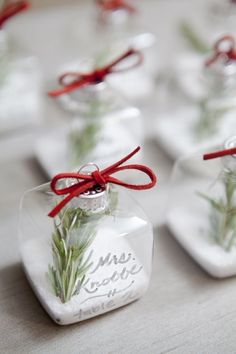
x=185, y=311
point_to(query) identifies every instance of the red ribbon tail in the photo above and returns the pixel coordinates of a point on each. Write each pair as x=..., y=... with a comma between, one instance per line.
x=12, y=10
x=59, y=206
x=70, y=87
x=67, y=89
x=58, y=92
x=211, y=60
x=220, y=153
x=76, y=193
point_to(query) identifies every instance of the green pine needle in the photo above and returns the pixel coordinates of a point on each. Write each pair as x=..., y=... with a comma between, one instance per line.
x=193, y=39
x=209, y=118
x=223, y=214
x=83, y=142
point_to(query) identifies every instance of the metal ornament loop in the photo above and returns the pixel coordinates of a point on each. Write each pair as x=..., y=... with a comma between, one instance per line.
x=219, y=45
x=71, y=181
x=88, y=164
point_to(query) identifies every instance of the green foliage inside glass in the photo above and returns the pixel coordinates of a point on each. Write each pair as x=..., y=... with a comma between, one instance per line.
x=223, y=213
x=74, y=232
x=82, y=141
x=209, y=118
x=193, y=39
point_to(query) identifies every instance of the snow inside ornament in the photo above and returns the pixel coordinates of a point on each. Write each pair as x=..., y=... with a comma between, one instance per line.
x=205, y=114
x=202, y=209
x=95, y=252
x=104, y=126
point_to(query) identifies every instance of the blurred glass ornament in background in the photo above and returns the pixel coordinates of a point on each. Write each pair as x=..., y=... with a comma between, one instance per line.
x=203, y=114
x=216, y=19
x=202, y=208
x=114, y=28
x=104, y=124
x=20, y=78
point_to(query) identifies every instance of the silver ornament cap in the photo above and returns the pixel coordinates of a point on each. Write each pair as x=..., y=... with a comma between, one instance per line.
x=95, y=199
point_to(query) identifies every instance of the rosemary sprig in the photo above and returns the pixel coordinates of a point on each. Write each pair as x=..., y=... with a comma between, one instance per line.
x=70, y=241
x=82, y=142
x=193, y=39
x=223, y=214
x=207, y=123
x=73, y=234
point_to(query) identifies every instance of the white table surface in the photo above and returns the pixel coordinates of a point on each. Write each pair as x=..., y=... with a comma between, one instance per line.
x=184, y=311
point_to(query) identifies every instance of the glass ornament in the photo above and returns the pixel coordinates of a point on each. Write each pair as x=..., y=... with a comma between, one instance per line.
x=94, y=256
x=201, y=213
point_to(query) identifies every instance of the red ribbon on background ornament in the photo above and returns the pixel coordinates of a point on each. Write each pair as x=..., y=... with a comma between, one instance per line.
x=112, y=5
x=221, y=52
x=101, y=178
x=220, y=153
x=11, y=8
x=98, y=75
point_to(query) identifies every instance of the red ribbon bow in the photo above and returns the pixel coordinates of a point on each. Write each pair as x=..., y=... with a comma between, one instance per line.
x=221, y=52
x=11, y=8
x=80, y=80
x=220, y=153
x=111, y=5
x=101, y=178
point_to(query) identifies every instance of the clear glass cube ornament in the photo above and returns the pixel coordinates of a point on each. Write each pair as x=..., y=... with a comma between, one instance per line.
x=203, y=106
x=216, y=17
x=103, y=127
x=120, y=26
x=110, y=34
x=201, y=212
x=94, y=257
x=198, y=81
